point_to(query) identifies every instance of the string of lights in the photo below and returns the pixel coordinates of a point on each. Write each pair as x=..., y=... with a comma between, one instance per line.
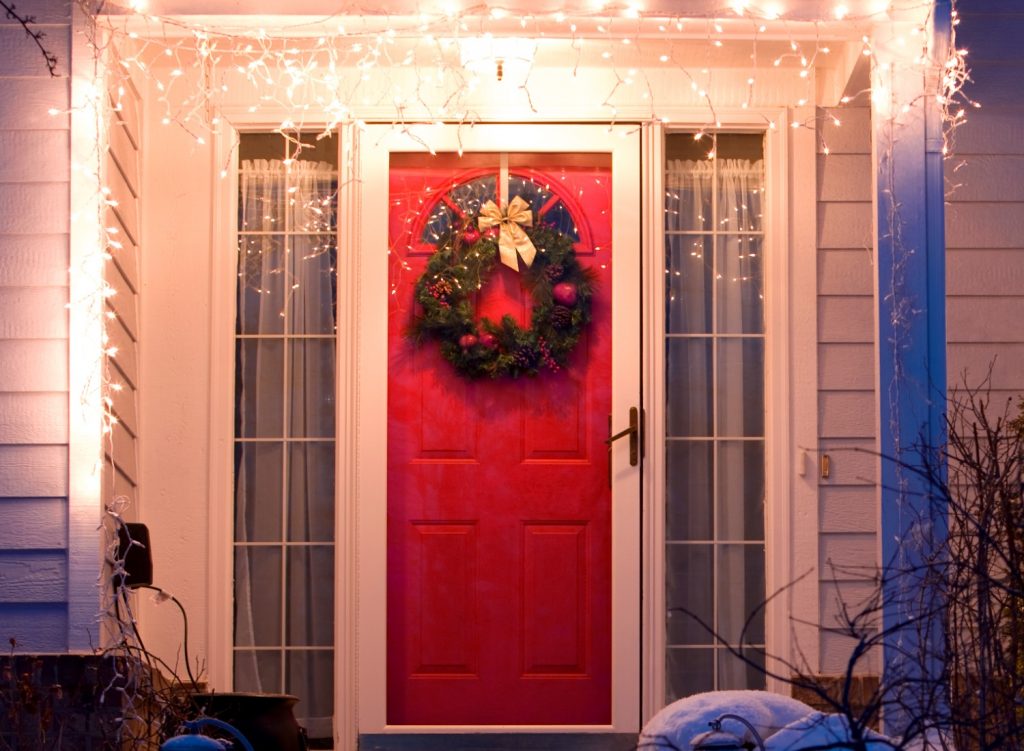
x=457, y=65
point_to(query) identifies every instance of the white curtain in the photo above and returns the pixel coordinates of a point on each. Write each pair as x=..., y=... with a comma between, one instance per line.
x=715, y=288
x=284, y=480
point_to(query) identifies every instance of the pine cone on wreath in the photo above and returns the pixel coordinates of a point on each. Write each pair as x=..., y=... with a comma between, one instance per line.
x=561, y=317
x=554, y=272
x=524, y=358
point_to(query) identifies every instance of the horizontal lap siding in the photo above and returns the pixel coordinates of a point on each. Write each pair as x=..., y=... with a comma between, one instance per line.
x=847, y=408
x=34, y=401
x=985, y=212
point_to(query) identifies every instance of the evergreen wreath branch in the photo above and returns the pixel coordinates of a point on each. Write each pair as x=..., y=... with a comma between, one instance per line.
x=561, y=289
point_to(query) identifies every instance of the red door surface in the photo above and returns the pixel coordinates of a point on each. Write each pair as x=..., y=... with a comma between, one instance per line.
x=499, y=507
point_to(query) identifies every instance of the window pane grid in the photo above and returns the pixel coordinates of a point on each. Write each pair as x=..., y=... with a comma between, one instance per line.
x=285, y=405
x=714, y=385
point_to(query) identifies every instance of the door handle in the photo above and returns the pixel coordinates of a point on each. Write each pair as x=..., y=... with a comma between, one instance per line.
x=635, y=433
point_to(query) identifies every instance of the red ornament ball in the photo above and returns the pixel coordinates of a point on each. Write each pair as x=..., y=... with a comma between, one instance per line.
x=489, y=340
x=565, y=293
x=470, y=235
x=467, y=340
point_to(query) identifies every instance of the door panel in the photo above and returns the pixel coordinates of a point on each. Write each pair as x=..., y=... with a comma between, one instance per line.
x=498, y=501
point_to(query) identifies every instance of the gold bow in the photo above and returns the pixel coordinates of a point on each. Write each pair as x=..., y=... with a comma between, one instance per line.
x=512, y=239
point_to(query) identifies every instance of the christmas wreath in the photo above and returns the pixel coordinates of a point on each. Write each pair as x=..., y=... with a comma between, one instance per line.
x=463, y=263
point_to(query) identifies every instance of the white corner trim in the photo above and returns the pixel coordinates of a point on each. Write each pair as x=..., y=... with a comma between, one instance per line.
x=220, y=506
x=85, y=343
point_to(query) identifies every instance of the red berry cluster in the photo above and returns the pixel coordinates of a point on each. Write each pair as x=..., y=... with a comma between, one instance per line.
x=545, y=354
x=440, y=290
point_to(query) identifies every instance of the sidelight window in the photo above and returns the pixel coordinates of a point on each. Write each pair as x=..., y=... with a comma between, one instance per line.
x=285, y=423
x=715, y=407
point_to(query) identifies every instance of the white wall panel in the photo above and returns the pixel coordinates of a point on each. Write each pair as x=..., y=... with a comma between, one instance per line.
x=21, y=56
x=983, y=225
x=46, y=12
x=35, y=169
x=851, y=136
x=845, y=272
x=843, y=508
x=836, y=649
x=987, y=131
x=985, y=272
x=847, y=408
x=847, y=556
x=33, y=313
x=34, y=156
x=985, y=210
x=35, y=97
x=27, y=471
x=36, y=260
x=34, y=417
x=987, y=177
x=846, y=318
x=33, y=576
x=985, y=319
x=20, y=368
x=846, y=414
x=38, y=627
x=844, y=177
x=846, y=367
x=844, y=225
x=31, y=208
x=1005, y=358
x=28, y=523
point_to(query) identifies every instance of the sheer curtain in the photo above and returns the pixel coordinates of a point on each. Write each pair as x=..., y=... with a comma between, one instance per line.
x=715, y=386
x=285, y=428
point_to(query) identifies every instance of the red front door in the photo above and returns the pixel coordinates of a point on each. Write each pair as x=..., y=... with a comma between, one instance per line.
x=499, y=582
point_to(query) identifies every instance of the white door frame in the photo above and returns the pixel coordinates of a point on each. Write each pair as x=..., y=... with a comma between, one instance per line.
x=362, y=437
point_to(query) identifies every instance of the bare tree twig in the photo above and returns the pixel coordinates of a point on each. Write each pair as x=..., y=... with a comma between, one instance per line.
x=36, y=36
